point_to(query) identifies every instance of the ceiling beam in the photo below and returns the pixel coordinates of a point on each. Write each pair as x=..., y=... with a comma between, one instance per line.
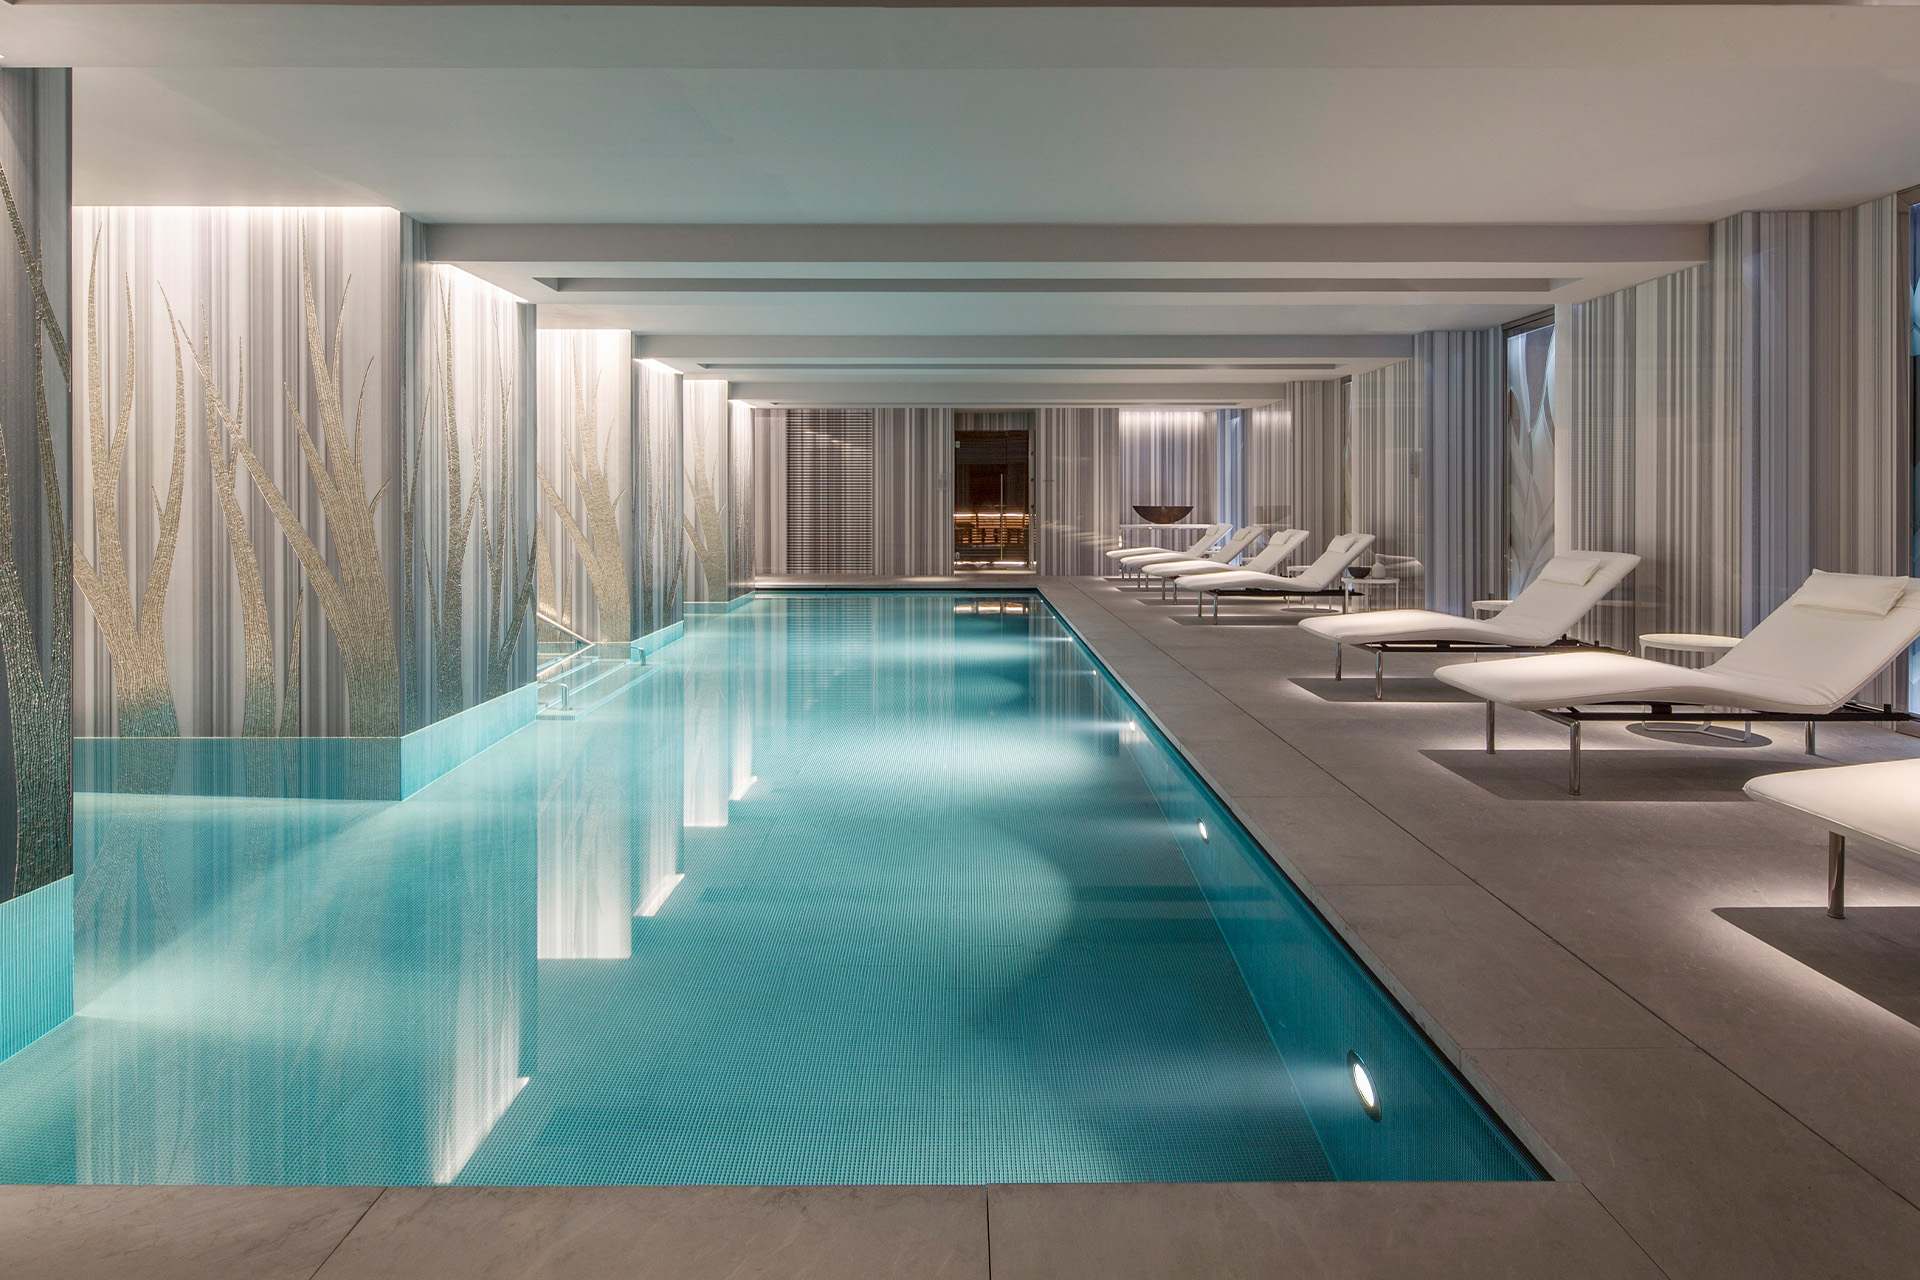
x=623, y=285
x=1567, y=244
x=863, y=393
x=1117, y=347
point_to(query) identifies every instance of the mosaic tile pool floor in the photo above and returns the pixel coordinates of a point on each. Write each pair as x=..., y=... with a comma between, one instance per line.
x=852, y=888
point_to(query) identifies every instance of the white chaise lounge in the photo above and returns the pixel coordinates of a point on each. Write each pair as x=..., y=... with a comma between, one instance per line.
x=1877, y=803
x=1238, y=541
x=1539, y=617
x=1325, y=576
x=1282, y=543
x=1803, y=663
x=1210, y=538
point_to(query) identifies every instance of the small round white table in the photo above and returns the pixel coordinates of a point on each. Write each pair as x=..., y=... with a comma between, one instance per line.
x=1692, y=642
x=1368, y=585
x=1481, y=608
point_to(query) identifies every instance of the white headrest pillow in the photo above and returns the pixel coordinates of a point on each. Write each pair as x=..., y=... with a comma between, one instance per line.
x=1573, y=571
x=1850, y=593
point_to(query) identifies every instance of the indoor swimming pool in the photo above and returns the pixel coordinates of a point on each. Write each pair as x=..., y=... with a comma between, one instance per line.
x=857, y=887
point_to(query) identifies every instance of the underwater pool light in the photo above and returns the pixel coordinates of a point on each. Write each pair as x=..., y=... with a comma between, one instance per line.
x=1204, y=839
x=1363, y=1085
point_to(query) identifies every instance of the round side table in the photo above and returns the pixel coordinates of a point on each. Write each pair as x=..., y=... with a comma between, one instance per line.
x=1484, y=608
x=1692, y=642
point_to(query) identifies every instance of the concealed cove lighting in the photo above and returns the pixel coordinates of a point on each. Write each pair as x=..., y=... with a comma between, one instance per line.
x=1204, y=839
x=661, y=892
x=1363, y=1085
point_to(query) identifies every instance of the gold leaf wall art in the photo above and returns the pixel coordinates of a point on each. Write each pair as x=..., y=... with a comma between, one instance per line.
x=509, y=577
x=353, y=598
x=598, y=546
x=39, y=677
x=450, y=606
x=133, y=631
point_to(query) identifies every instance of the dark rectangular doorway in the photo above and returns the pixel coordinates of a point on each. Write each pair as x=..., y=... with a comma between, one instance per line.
x=992, y=493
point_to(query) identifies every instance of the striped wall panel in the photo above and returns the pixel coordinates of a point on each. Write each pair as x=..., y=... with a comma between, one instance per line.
x=829, y=470
x=913, y=491
x=237, y=281
x=1648, y=453
x=1169, y=457
x=658, y=565
x=1457, y=388
x=586, y=468
x=467, y=494
x=707, y=493
x=740, y=546
x=1383, y=472
x=1293, y=464
x=770, y=491
x=1076, y=489
x=1820, y=417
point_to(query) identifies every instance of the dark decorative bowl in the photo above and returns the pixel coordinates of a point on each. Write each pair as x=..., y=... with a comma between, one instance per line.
x=1164, y=515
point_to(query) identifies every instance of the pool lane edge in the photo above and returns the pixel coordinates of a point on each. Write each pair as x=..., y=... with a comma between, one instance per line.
x=1496, y=1102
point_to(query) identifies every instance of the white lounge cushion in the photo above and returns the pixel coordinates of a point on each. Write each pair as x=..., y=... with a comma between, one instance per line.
x=1849, y=593
x=1878, y=803
x=1572, y=571
x=1541, y=614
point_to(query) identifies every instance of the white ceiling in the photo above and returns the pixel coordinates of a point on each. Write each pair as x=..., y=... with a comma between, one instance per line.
x=632, y=115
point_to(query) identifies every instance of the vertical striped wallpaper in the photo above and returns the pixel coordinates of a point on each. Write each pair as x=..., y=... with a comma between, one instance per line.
x=1737, y=424
x=1168, y=457
x=1076, y=489
x=658, y=565
x=1457, y=384
x=586, y=401
x=234, y=281
x=1649, y=451
x=1293, y=463
x=708, y=492
x=830, y=515
x=740, y=447
x=1385, y=486
x=770, y=491
x=913, y=491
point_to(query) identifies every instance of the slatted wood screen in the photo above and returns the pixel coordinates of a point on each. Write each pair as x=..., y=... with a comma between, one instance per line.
x=830, y=491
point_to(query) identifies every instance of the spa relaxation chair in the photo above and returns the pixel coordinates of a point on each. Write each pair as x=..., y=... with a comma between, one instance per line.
x=1539, y=618
x=1877, y=803
x=1803, y=663
x=1238, y=541
x=1214, y=533
x=1324, y=577
x=1283, y=543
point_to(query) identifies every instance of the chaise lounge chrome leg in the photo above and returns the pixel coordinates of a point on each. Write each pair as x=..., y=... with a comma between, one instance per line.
x=1379, y=676
x=1836, y=875
x=1336, y=659
x=1489, y=728
x=1810, y=750
x=1573, y=758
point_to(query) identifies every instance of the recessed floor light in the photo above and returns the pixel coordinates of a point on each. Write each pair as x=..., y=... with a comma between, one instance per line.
x=1363, y=1085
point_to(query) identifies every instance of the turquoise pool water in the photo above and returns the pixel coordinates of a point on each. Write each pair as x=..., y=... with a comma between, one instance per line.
x=861, y=887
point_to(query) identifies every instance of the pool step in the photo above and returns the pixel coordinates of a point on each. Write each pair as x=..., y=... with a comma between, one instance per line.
x=587, y=685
